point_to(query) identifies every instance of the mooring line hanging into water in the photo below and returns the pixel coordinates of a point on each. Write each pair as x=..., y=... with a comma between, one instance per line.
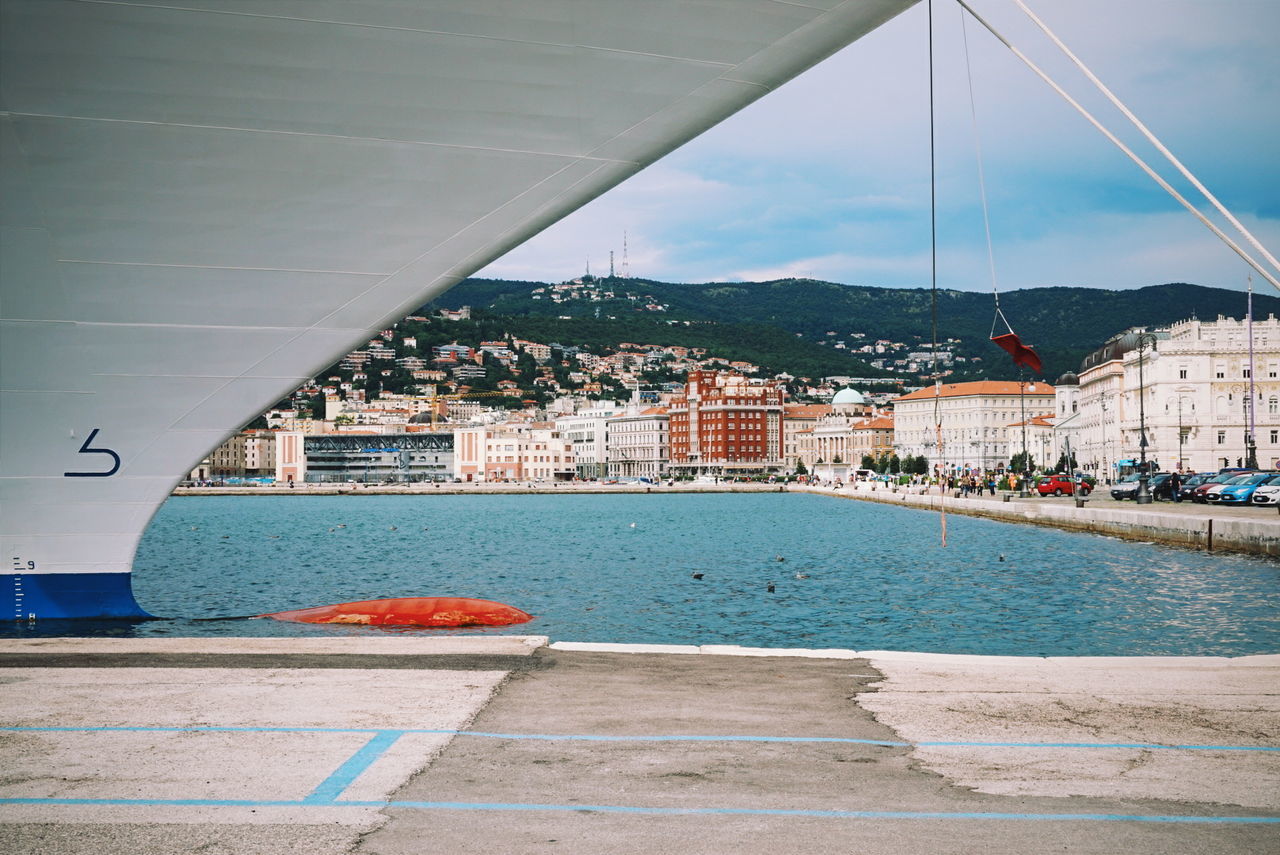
x=1142, y=164
x=933, y=291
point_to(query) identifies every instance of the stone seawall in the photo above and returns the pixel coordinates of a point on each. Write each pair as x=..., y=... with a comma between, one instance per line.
x=1196, y=528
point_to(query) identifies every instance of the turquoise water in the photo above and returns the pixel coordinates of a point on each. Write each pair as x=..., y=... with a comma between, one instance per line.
x=620, y=568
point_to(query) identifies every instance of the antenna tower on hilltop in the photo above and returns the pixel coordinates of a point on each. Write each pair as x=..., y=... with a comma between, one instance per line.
x=626, y=269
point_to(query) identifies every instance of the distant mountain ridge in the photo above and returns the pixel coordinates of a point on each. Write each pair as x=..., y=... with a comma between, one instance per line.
x=1062, y=323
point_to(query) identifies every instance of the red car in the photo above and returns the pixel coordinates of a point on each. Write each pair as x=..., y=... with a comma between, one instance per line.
x=1059, y=485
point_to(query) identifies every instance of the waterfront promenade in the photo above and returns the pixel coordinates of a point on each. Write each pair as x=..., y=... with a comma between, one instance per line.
x=387, y=745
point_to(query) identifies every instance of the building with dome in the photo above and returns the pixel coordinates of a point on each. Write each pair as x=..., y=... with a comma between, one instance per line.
x=834, y=447
x=850, y=402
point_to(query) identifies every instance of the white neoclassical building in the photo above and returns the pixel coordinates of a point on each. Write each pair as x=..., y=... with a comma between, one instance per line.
x=587, y=430
x=1207, y=388
x=638, y=443
x=977, y=420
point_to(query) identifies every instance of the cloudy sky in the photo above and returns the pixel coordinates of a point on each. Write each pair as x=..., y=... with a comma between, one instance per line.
x=829, y=176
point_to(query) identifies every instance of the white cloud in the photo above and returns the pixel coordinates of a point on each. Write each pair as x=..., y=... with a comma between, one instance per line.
x=828, y=177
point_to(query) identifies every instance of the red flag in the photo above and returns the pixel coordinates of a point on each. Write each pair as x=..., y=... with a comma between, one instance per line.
x=1022, y=355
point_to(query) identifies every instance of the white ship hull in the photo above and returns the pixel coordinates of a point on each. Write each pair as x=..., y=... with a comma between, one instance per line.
x=207, y=201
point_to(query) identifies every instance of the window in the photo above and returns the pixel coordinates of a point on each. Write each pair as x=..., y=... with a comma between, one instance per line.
x=1222, y=437
x=1275, y=436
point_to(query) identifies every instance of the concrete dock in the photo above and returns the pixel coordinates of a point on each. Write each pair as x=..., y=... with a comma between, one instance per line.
x=456, y=744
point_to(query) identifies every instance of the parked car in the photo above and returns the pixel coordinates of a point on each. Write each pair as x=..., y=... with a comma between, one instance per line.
x=1190, y=483
x=1125, y=488
x=1157, y=485
x=1200, y=494
x=1161, y=486
x=1268, y=492
x=1060, y=485
x=1239, y=490
x=1214, y=483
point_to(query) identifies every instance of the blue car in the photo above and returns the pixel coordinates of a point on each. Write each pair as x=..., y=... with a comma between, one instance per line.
x=1239, y=490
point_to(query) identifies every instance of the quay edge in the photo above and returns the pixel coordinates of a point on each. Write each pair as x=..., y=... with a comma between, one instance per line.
x=1191, y=530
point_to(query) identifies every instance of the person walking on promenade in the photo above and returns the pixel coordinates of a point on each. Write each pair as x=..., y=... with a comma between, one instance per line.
x=1175, y=486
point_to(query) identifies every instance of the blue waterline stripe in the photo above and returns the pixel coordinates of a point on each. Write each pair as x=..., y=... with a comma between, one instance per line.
x=333, y=786
x=586, y=737
x=656, y=811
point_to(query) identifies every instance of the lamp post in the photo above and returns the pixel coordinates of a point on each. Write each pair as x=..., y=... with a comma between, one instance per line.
x=1023, y=492
x=1143, y=496
x=1182, y=437
x=1250, y=438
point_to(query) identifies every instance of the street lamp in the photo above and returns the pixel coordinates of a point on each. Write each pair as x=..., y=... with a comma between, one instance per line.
x=1143, y=496
x=1182, y=437
x=1023, y=493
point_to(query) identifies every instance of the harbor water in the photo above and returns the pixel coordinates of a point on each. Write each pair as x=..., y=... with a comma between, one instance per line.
x=697, y=569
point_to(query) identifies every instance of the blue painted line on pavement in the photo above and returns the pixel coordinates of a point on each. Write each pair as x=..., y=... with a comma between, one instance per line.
x=1144, y=745
x=659, y=811
x=172, y=802
x=333, y=786
x=586, y=737
x=832, y=814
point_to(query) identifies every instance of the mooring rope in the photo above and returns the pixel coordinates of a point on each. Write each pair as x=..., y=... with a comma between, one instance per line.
x=933, y=291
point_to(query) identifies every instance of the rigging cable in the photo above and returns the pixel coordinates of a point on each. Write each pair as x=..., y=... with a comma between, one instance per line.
x=1225, y=238
x=1149, y=135
x=982, y=179
x=933, y=292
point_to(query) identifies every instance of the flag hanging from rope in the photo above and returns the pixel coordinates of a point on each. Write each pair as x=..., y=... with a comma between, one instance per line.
x=1022, y=355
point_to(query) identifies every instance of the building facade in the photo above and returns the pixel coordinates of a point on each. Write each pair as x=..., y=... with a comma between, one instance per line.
x=512, y=452
x=1207, y=392
x=363, y=458
x=587, y=432
x=798, y=422
x=638, y=443
x=976, y=423
x=725, y=424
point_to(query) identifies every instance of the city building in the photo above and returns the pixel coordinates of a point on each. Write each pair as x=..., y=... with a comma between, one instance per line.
x=638, y=443
x=872, y=437
x=967, y=426
x=798, y=422
x=835, y=447
x=245, y=454
x=1207, y=391
x=512, y=451
x=363, y=457
x=725, y=424
x=587, y=431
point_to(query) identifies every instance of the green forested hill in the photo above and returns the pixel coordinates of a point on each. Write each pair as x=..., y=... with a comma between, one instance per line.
x=1062, y=323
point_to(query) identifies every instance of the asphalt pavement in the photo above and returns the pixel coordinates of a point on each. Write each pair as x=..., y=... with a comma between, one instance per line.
x=478, y=744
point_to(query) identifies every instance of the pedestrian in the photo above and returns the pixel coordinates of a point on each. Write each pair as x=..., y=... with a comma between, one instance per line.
x=1175, y=486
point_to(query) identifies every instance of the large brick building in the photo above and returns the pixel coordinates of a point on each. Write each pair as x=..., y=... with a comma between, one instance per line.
x=725, y=424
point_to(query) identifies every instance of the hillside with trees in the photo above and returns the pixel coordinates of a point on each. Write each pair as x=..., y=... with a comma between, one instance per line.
x=794, y=324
